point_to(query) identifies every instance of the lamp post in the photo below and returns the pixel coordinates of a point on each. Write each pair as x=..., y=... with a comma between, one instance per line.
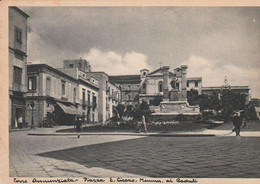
x=32, y=104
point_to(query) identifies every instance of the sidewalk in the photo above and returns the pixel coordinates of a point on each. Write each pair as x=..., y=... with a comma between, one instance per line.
x=222, y=130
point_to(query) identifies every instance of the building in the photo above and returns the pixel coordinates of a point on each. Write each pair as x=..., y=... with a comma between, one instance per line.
x=150, y=85
x=17, y=67
x=108, y=96
x=51, y=93
x=81, y=64
x=88, y=88
x=105, y=98
x=130, y=86
x=194, y=83
x=218, y=90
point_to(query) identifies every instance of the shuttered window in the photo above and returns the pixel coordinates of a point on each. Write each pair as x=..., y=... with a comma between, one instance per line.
x=17, y=75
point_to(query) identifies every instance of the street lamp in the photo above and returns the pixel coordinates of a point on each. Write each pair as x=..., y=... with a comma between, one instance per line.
x=32, y=104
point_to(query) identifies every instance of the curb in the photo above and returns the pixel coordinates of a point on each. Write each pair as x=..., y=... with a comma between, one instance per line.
x=127, y=134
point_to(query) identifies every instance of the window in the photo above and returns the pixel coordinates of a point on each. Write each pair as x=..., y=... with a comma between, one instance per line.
x=94, y=102
x=144, y=86
x=113, y=94
x=196, y=83
x=17, y=75
x=63, y=89
x=89, y=97
x=128, y=87
x=48, y=86
x=74, y=94
x=188, y=84
x=18, y=35
x=83, y=99
x=160, y=86
x=129, y=97
x=31, y=83
x=71, y=66
x=177, y=85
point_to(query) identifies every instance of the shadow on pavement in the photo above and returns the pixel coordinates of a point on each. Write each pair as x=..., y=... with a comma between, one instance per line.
x=207, y=157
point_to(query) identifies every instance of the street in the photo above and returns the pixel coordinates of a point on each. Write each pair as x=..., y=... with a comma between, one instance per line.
x=133, y=156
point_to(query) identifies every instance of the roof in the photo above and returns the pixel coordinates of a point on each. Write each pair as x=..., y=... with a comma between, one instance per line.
x=31, y=67
x=20, y=11
x=194, y=79
x=124, y=79
x=157, y=70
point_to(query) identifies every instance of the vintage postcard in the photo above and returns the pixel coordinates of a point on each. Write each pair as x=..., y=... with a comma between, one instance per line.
x=129, y=92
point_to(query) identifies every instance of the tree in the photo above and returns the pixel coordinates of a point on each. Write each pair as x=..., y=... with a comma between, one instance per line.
x=142, y=109
x=192, y=96
x=120, y=108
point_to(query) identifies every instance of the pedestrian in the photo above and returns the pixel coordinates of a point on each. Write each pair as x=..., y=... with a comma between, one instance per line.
x=144, y=123
x=78, y=126
x=141, y=125
x=237, y=122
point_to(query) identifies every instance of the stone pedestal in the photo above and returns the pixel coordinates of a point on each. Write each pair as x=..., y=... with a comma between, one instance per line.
x=174, y=95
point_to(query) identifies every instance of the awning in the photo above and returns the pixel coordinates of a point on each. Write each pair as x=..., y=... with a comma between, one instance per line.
x=69, y=109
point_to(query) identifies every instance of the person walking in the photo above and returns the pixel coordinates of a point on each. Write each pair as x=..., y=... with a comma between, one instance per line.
x=78, y=126
x=144, y=123
x=237, y=122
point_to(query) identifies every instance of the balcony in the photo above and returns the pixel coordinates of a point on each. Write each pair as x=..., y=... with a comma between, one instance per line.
x=19, y=87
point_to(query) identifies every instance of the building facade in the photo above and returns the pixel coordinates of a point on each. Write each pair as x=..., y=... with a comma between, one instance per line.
x=88, y=88
x=129, y=89
x=51, y=93
x=17, y=67
x=104, y=100
x=150, y=85
x=107, y=96
x=218, y=90
x=194, y=83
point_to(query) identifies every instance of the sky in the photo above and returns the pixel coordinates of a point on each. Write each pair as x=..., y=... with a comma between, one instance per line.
x=213, y=41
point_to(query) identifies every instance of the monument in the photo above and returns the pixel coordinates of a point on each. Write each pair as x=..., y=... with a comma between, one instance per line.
x=175, y=97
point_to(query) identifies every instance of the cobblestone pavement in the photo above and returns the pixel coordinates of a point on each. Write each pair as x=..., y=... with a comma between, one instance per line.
x=24, y=160
x=131, y=156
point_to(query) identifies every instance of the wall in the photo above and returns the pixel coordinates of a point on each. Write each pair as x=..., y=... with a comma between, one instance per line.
x=102, y=94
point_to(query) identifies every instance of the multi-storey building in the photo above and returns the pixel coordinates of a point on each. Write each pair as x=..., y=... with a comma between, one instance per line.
x=51, y=92
x=88, y=87
x=107, y=96
x=17, y=67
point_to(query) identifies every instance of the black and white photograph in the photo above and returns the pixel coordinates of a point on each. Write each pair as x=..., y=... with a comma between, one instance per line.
x=133, y=94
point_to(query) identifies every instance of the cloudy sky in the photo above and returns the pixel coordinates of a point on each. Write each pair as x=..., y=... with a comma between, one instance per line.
x=213, y=41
